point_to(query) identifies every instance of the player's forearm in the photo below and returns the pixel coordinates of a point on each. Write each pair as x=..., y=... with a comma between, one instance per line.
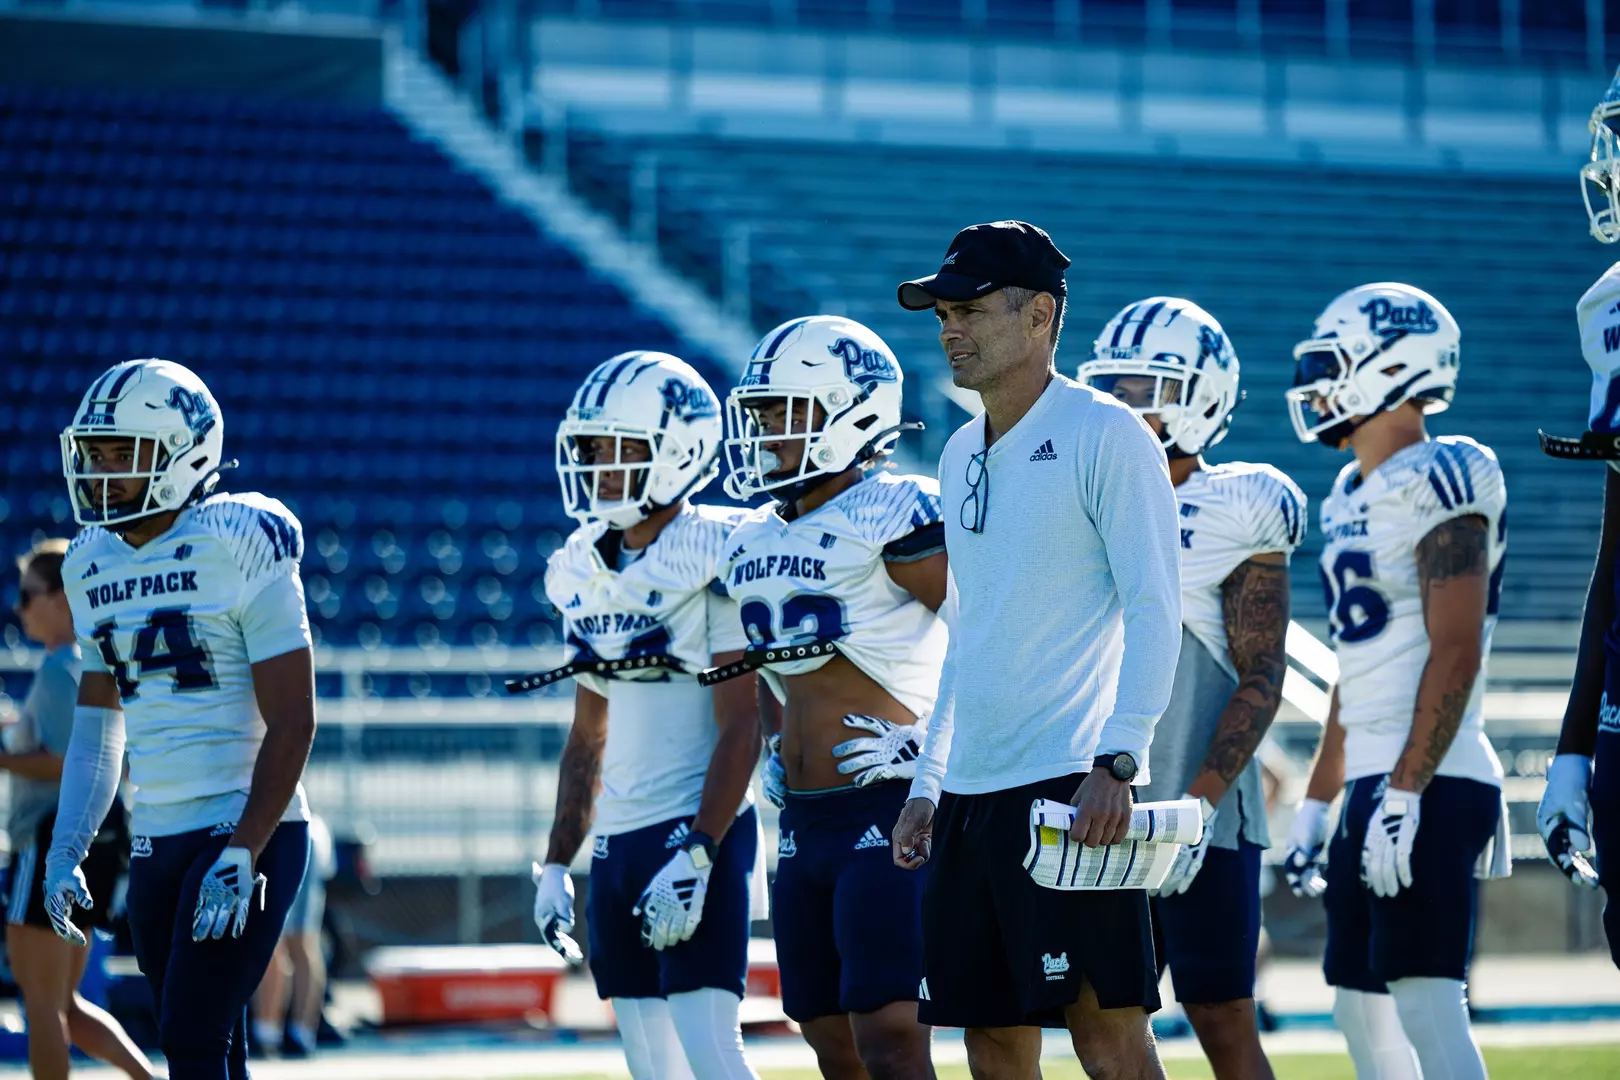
x=1327, y=771
x=725, y=785
x=38, y=765
x=579, y=773
x=284, y=687
x=1255, y=607
x=276, y=772
x=1578, y=734
x=1443, y=693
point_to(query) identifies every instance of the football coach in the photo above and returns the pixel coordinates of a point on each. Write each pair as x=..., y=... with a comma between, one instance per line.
x=1063, y=537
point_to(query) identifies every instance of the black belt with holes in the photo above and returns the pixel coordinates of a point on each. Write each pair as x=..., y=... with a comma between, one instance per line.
x=1591, y=446
x=756, y=658
x=606, y=668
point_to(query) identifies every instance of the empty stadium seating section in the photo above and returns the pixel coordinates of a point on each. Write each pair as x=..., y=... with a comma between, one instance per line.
x=1264, y=248
x=390, y=344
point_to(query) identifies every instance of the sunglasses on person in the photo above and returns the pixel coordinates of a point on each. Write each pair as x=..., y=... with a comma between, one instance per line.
x=976, y=506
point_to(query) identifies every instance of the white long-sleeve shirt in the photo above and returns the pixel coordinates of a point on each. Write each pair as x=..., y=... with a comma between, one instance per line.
x=1065, y=612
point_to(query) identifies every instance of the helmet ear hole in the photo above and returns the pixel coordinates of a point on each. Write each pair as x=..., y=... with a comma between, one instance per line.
x=865, y=422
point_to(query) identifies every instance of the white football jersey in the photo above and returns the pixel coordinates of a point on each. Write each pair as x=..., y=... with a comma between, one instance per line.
x=179, y=622
x=824, y=575
x=661, y=726
x=1229, y=514
x=1371, y=530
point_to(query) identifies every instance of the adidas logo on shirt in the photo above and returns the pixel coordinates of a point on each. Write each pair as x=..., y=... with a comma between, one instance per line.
x=871, y=838
x=1044, y=452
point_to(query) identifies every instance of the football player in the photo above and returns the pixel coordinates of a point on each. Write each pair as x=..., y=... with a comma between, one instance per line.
x=1414, y=533
x=655, y=765
x=838, y=583
x=1170, y=360
x=197, y=660
x=1581, y=806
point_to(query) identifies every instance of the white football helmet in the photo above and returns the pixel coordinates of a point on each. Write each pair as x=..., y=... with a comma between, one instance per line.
x=1373, y=348
x=1600, y=177
x=651, y=397
x=178, y=436
x=824, y=360
x=1184, y=350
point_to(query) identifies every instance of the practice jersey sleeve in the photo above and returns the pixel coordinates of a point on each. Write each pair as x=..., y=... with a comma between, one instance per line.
x=726, y=632
x=265, y=539
x=1276, y=509
x=901, y=516
x=1461, y=479
x=275, y=620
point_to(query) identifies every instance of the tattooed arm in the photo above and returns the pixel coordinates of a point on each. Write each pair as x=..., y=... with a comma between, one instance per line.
x=1254, y=604
x=1452, y=576
x=580, y=775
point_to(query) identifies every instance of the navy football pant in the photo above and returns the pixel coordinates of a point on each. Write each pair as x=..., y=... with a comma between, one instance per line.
x=201, y=989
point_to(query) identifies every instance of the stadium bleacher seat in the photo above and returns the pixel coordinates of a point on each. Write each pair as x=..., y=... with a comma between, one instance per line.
x=1262, y=247
x=391, y=345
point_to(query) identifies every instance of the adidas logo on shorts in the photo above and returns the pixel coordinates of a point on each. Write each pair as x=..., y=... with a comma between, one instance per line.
x=871, y=838
x=1044, y=452
x=678, y=836
x=224, y=828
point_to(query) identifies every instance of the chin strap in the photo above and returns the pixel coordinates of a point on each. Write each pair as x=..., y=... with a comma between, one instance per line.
x=1590, y=446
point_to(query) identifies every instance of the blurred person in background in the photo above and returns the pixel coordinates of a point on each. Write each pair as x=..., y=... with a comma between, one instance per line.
x=838, y=582
x=1172, y=363
x=48, y=969
x=1579, y=816
x=197, y=651
x=657, y=766
x=287, y=1007
x=1414, y=537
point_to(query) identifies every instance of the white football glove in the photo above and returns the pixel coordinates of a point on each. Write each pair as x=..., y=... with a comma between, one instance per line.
x=1307, y=847
x=1386, y=856
x=1190, y=859
x=226, y=893
x=554, y=909
x=671, y=906
x=772, y=776
x=890, y=756
x=66, y=888
x=1564, y=818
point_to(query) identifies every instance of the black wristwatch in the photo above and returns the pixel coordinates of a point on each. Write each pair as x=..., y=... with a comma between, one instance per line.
x=1121, y=767
x=702, y=848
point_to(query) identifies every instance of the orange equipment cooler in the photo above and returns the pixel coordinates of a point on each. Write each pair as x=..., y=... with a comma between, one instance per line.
x=458, y=983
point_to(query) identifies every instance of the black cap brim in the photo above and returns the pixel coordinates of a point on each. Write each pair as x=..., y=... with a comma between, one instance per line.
x=919, y=295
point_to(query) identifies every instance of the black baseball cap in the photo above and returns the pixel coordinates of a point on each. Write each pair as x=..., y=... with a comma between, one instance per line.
x=984, y=258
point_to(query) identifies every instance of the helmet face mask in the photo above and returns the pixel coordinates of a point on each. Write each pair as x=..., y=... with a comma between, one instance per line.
x=1600, y=176
x=649, y=422
x=150, y=423
x=1375, y=348
x=1169, y=358
x=837, y=390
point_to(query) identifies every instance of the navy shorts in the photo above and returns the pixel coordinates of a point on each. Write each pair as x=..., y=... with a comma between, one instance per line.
x=1208, y=936
x=848, y=921
x=716, y=957
x=1006, y=952
x=1605, y=823
x=201, y=988
x=1424, y=931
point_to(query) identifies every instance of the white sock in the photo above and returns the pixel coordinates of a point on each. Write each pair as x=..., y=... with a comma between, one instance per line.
x=1435, y=1015
x=1372, y=1028
x=267, y=1032
x=706, y=1021
x=651, y=1047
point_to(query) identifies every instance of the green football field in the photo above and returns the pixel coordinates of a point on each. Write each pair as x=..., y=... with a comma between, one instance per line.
x=1523, y=1063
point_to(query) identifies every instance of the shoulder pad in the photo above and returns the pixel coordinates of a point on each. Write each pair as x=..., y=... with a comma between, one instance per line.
x=262, y=535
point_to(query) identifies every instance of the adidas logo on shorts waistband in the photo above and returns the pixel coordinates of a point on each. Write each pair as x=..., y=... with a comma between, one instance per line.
x=871, y=838
x=1044, y=452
